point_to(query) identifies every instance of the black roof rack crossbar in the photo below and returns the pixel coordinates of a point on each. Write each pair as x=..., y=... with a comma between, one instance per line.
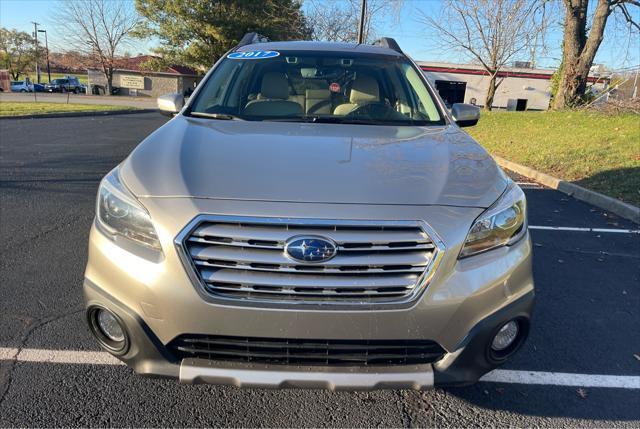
x=388, y=42
x=251, y=38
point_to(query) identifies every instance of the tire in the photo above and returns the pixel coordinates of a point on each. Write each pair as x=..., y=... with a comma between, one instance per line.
x=76, y=91
x=23, y=90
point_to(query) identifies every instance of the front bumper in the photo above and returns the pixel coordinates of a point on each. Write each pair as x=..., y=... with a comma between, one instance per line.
x=461, y=309
x=148, y=356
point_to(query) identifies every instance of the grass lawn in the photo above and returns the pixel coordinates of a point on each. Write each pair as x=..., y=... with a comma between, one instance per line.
x=28, y=108
x=597, y=151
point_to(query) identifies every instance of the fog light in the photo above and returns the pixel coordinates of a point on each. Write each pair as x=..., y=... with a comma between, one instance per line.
x=505, y=336
x=110, y=326
x=108, y=329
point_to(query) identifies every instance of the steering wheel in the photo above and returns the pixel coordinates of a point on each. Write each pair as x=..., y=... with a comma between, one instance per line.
x=320, y=105
x=373, y=110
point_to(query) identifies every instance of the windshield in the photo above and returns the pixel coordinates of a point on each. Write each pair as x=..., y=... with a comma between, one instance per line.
x=317, y=87
x=58, y=81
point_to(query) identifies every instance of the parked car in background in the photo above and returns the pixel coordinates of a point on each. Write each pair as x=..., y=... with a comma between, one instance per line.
x=22, y=85
x=67, y=84
x=38, y=87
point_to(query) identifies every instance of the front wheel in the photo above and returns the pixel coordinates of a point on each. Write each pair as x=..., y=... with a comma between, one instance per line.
x=75, y=90
x=23, y=90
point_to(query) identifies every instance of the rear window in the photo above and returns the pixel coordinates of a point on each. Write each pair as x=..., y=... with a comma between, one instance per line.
x=318, y=87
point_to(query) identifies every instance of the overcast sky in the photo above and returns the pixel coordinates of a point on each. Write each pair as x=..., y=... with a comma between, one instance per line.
x=617, y=51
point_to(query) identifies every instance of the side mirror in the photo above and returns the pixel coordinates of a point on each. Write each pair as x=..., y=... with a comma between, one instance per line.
x=170, y=104
x=465, y=115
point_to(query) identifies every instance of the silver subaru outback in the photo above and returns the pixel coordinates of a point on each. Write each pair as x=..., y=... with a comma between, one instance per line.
x=312, y=217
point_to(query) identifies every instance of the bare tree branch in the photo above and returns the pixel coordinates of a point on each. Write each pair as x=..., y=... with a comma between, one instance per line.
x=489, y=32
x=337, y=20
x=627, y=15
x=98, y=29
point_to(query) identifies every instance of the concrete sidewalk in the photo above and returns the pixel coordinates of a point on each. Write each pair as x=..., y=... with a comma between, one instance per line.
x=116, y=100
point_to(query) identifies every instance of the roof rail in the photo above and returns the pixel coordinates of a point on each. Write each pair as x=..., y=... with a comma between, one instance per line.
x=388, y=42
x=251, y=38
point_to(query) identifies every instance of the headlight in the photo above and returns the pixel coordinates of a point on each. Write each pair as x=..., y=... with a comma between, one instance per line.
x=502, y=224
x=120, y=214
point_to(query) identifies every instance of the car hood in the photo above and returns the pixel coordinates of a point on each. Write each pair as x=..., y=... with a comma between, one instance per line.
x=306, y=162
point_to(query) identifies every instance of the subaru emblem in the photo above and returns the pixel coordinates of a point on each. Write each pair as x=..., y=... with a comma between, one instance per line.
x=310, y=248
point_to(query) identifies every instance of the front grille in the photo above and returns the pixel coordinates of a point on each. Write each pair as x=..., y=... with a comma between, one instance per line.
x=307, y=352
x=245, y=260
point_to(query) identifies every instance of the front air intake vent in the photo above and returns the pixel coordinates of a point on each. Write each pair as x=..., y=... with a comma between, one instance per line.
x=277, y=351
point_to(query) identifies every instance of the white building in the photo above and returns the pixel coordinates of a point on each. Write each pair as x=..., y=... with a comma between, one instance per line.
x=521, y=88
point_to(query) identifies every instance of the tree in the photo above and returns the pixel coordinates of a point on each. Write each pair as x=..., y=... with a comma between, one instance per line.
x=16, y=51
x=580, y=44
x=337, y=20
x=99, y=29
x=490, y=32
x=198, y=32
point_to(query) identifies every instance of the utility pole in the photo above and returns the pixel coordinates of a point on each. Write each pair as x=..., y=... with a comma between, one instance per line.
x=363, y=9
x=35, y=33
x=46, y=45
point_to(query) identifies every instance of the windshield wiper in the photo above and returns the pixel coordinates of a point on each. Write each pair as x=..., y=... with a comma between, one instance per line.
x=339, y=120
x=222, y=116
x=321, y=120
x=345, y=120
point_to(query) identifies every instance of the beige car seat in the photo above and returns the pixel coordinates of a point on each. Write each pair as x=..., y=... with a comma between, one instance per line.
x=364, y=90
x=273, y=98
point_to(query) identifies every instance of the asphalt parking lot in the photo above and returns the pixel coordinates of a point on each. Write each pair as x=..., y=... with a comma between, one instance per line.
x=52, y=373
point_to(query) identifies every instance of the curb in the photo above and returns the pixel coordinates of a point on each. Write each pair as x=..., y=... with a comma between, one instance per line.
x=618, y=207
x=81, y=114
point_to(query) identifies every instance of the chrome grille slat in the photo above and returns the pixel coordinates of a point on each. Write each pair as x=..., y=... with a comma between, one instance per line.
x=244, y=259
x=308, y=280
x=345, y=269
x=282, y=233
x=263, y=256
x=425, y=246
x=322, y=293
x=280, y=246
x=232, y=243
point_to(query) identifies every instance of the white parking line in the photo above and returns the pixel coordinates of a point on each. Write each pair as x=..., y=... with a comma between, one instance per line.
x=79, y=357
x=562, y=379
x=577, y=229
x=58, y=356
